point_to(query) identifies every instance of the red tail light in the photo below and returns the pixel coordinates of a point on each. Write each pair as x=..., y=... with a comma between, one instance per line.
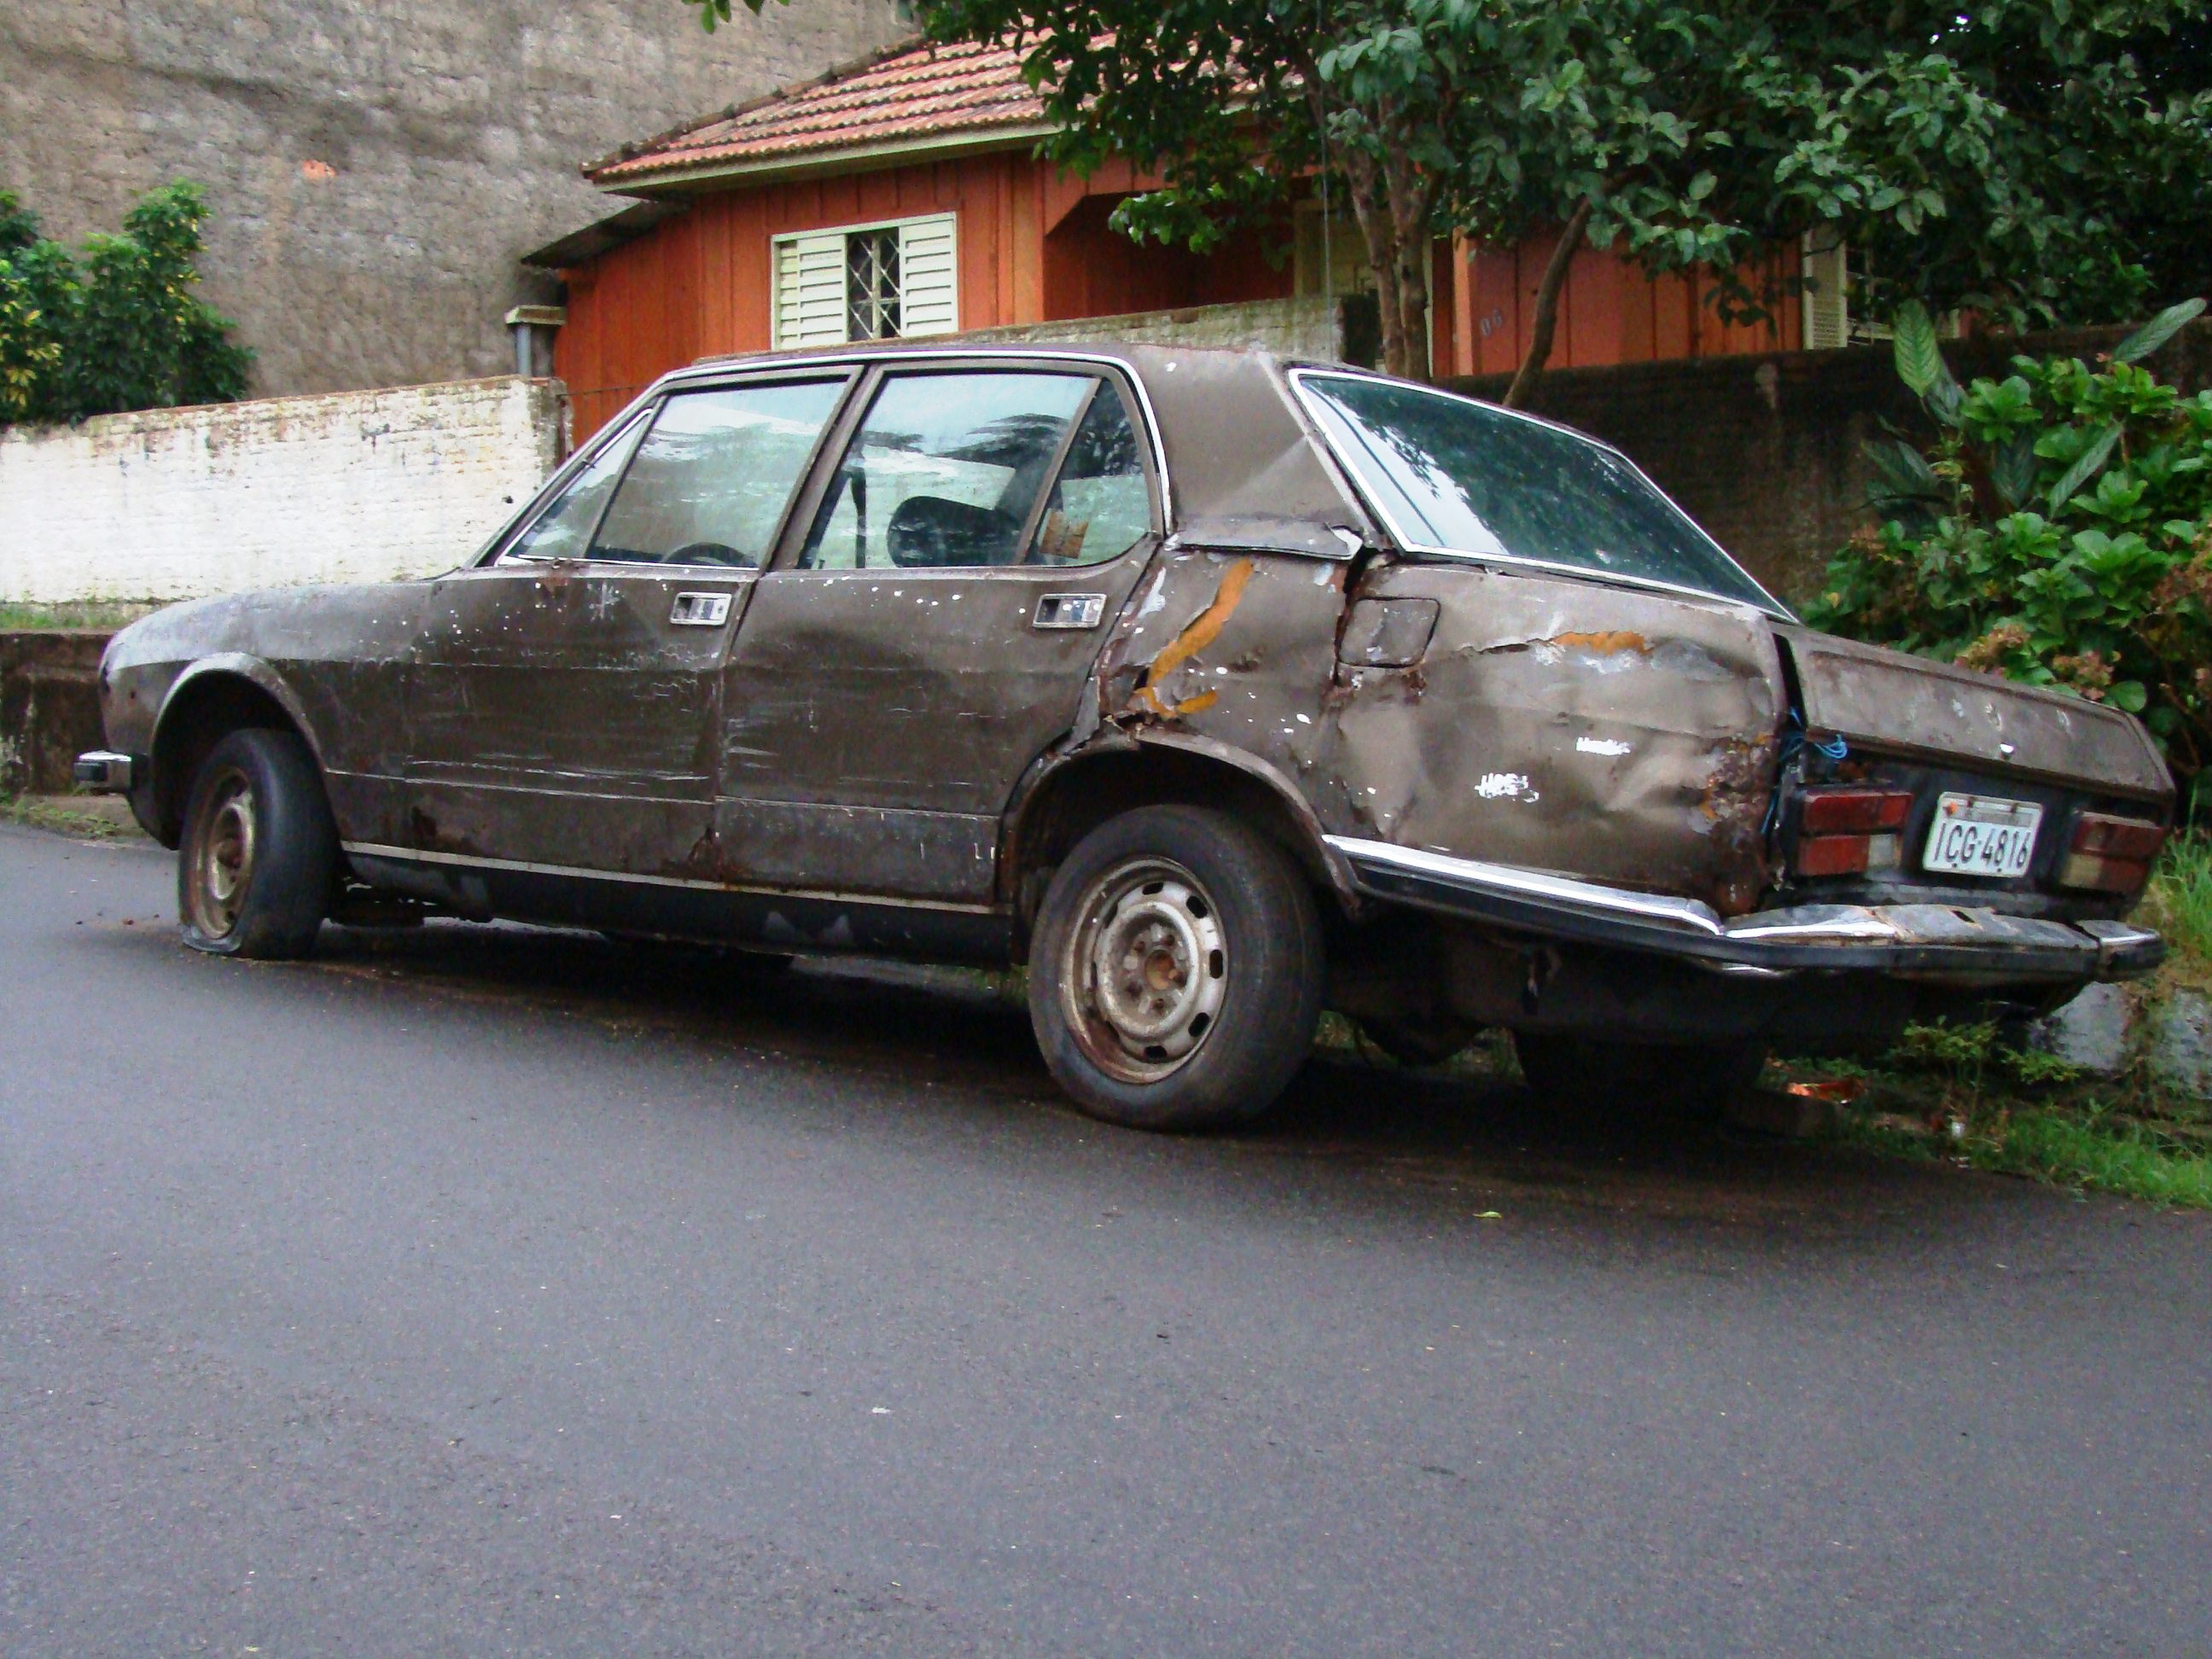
x=2110, y=855
x=1844, y=832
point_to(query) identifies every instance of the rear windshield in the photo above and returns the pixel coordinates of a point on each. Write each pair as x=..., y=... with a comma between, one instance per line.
x=1450, y=475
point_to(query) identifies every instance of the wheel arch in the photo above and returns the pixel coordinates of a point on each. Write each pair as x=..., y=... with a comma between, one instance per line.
x=213, y=697
x=1076, y=793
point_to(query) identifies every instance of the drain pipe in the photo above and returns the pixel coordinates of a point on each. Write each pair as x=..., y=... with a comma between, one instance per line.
x=525, y=322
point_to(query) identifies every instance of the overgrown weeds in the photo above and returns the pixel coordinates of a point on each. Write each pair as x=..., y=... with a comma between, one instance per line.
x=97, y=614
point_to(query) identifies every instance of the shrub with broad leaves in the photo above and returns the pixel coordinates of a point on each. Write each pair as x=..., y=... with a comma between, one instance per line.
x=116, y=325
x=2058, y=531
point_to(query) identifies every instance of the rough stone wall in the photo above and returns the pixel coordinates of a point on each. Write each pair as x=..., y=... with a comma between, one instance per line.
x=49, y=708
x=181, y=503
x=376, y=167
x=1767, y=452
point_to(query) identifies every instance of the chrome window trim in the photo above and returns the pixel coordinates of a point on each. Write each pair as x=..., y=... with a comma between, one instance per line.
x=1408, y=543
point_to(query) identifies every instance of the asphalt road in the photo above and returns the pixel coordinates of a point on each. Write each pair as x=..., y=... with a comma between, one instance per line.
x=479, y=1292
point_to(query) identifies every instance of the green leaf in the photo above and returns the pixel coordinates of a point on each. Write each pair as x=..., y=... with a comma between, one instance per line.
x=2157, y=332
x=2128, y=696
x=2093, y=458
x=1919, y=361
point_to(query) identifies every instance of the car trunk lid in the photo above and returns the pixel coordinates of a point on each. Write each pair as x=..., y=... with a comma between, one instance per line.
x=1888, y=702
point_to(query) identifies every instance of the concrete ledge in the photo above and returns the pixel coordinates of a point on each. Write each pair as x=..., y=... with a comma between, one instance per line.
x=49, y=707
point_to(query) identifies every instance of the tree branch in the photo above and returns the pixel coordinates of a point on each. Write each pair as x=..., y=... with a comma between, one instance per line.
x=1547, y=305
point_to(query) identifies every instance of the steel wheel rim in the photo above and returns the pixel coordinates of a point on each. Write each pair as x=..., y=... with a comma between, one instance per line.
x=224, y=856
x=1145, y=970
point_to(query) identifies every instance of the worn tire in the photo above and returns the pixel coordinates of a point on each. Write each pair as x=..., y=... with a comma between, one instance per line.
x=1221, y=968
x=259, y=857
x=1590, y=1075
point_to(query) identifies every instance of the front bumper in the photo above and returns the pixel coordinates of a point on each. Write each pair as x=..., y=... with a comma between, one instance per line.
x=104, y=772
x=1918, y=941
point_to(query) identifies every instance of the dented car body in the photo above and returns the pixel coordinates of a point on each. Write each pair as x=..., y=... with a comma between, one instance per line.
x=853, y=651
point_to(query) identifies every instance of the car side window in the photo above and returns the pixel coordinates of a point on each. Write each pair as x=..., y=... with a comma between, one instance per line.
x=711, y=479
x=1101, y=505
x=944, y=471
x=563, y=530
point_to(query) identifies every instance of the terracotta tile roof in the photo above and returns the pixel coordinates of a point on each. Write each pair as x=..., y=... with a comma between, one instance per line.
x=911, y=93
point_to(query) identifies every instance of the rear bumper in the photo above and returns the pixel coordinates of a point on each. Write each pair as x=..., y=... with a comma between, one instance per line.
x=1917, y=941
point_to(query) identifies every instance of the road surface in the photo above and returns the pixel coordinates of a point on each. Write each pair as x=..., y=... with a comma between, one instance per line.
x=482, y=1292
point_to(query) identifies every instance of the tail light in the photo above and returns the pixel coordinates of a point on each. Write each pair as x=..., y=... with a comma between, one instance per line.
x=2110, y=855
x=1847, y=832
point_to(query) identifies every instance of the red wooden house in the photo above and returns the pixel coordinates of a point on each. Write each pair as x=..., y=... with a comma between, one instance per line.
x=902, y=196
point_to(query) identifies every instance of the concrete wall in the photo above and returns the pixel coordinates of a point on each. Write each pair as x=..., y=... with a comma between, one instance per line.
x=49, y=708
x=179, y=503
x=1767, y=453
x=376, y=167
x=1309, y=326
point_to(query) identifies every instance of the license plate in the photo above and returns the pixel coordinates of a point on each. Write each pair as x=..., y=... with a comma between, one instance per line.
x=1980, y=835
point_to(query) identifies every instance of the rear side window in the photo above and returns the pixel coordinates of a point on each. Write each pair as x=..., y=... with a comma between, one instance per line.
x=1101, y=505
x=947, y=470
x=713, y=476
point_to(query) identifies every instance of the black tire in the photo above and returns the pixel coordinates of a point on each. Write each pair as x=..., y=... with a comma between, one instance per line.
x=259, y=862
x=1594, y=1076
x=1223, y=943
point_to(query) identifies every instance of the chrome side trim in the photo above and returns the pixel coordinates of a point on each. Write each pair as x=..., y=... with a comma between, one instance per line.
x=1685, y=915
x=416, y=855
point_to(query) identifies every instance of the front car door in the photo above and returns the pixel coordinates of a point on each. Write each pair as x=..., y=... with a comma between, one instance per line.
x=933, y=628
x=564, y=694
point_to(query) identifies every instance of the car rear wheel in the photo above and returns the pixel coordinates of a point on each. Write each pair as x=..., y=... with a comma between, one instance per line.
x=1591, y=1075
x=259, y=856
x=1177, y=970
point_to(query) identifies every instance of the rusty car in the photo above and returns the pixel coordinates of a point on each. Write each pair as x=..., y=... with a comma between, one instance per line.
x=1218, y=689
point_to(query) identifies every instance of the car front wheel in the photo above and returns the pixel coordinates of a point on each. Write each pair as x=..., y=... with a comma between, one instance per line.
x=1177, y=970
x=259, y=854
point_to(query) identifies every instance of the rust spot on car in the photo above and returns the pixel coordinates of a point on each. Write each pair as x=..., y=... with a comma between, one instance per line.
x=1198, y=633
x=1610, y=643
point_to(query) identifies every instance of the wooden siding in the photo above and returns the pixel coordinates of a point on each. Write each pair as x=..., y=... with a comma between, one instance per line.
x=1609, y=313
x=1035, y=246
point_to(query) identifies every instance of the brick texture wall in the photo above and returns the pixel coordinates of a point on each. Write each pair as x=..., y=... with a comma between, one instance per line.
x=180, y=503
x=1766, y=450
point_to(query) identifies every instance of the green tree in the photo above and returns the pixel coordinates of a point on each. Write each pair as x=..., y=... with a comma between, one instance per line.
x=116, y=326
x=2022, y=158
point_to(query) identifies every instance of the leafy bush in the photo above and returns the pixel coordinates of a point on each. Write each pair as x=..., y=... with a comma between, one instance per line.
x=2058, y=530
x=116, y=325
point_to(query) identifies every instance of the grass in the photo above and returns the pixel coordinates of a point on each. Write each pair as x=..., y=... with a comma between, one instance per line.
x=44, y=812
x=1963, y=1092
x=91, y=613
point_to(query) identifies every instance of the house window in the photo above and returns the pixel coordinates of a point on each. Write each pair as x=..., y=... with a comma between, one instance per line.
x=894, y=280
x=1832, y=274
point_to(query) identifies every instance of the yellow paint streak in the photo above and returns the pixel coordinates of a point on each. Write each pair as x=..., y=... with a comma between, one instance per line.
x=1203, y=629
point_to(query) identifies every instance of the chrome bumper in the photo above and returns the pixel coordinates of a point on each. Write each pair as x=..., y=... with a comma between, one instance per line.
x=1921, y=940
x=104, y=772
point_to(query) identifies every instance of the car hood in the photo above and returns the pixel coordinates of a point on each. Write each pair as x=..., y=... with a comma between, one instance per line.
x=1887, y=701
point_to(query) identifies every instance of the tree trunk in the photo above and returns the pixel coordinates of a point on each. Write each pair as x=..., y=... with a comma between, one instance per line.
x=1378, y=226
x=1547, y=307
x=1409, y=223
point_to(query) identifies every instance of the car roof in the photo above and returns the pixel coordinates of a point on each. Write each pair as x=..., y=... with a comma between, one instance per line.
x=1244, y=467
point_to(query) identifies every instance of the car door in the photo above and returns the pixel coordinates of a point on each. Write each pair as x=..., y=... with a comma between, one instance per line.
x=564, y=695
x=932, y=630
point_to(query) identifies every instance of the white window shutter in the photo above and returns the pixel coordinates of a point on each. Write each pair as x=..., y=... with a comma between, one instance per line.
x=1827, y=298
x=929, y=287
x=810, y=290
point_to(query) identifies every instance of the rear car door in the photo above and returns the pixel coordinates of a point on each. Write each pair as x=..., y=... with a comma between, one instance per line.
x=563, y=697
x=932, y=630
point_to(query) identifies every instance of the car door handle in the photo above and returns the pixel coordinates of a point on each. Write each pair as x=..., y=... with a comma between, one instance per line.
x=1070, y=610
x=699, y=610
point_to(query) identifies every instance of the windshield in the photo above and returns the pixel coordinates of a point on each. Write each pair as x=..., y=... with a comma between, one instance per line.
x=1450, y=475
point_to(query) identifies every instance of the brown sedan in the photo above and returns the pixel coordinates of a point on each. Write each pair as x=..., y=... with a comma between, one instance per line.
x=1217, y=689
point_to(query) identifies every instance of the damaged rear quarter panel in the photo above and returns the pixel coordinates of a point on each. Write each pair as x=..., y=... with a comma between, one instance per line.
x=1617, y=736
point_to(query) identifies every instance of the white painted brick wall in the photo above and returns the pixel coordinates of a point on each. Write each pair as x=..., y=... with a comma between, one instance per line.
x=182, y=503
x=1307, y=326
